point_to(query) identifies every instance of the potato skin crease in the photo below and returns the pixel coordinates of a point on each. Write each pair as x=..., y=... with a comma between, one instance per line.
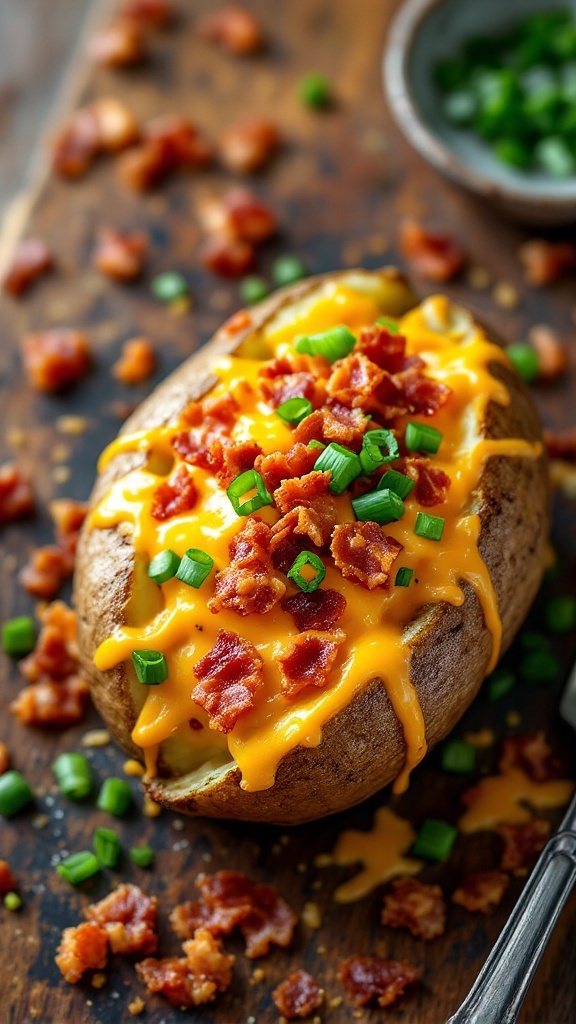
x=362, y=748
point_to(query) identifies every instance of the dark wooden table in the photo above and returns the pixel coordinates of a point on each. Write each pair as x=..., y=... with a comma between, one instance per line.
x=344, y=181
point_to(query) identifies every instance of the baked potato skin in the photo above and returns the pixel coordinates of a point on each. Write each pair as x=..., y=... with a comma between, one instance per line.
x=362, y=748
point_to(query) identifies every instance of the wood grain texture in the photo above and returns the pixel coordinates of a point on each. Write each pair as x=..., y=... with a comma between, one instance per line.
x=343, y=182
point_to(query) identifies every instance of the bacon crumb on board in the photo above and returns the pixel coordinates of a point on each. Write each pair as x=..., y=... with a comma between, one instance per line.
x=531, y=754
x=128, y=916
x=31, y=259
x=248, y=585
x=320, y=609
x=227, y=256
x=82, y=949
x=55, y=359
x=16, y=495
x=151, y=15
x=561, y=444
x=234, y=223
x=4, y=758
x=436, y=256
x=55, y=704
x=298, y=995
x=173, y=496
x=364, y=553
x=122, y=44
x=7, y=881
x=552, y=355
x=308, y=661
x=120, y=254
x=545, y=262
x=370, y=978
x=168, y=144
x=230, y=899
x=481, y=891
x=249, y=144
x=416, y=906
x=137, y=362
x=105, y=126
x=204, y=972
x=50, y=565
x=228, y=678
x=233, y=29
x=522, y=844
x=432, y=484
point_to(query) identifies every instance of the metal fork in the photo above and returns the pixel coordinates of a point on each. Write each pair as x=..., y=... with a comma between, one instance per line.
x=500, y=989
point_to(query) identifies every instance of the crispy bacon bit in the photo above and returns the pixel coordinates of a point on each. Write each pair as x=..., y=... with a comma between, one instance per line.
x=544, y=262
x=197, y=979
x=279, y=466
x=432, y=484
x=421, y=394
x=152, y=15
x=137, y=362
x=319, y=610
x=45, y=572
x=522, y=844
x=364, y=553
x=228, y=678
x=291, y=385
x=128, y=916
x=169, y=144
x=55, y=359
x=55, y=655
x=552, y=356
x=67, y=516
x=308, y=662
x=235, y=223
x=368, y=978
x=233, y=29
x=354, y=379
x=82, y=949
x=248, y=585
x=482, y=891
x=418, y=907
x=298, y=995
x=4, y=758
x=7, y=881
x=249, y=144
x=334, y=422
x=561, y=444
x=235, y=458
x=31, y=259
x=117, y=127
x=118, y=46
x=230, y=899
x=249, y=216
x=533, y=755
x=434, y=255
x=227, y=256
x=239, y=321
x=55, y=704
x=210, y=420
x=120, y=255
x=308, y=510
x=174, y=496
x=77, y=146
x=16, y=496
x=388, y=351
x=302, y=491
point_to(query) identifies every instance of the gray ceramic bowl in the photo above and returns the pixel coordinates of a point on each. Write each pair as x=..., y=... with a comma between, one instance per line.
x=426, y=31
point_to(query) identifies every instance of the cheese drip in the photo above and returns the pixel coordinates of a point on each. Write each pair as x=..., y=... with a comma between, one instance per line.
x=376, y=646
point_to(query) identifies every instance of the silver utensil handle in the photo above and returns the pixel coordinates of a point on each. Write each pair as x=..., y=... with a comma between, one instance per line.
x=503, y=982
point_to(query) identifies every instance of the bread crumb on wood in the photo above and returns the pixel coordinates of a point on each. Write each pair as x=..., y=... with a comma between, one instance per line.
x=136, y=1006
x=505, y=295
x=335, y=1002
x=323, y=860
x=73, y=426
x=513, y=718
x=133, y=768
x=61, y=474
x=99, y=980
x=16, y=437
x=311, y=915
x=95, y=738
x=151, y=809
x=479, y=278
x=482, y=738
x=258, y=975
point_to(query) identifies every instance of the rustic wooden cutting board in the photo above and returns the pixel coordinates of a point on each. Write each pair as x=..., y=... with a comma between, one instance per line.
x=344, y=181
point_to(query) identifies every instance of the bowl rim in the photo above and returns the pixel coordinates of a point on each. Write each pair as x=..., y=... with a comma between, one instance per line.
x=398, y=90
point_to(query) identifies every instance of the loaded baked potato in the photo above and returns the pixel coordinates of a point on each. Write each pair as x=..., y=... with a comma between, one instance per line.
x=308, y=547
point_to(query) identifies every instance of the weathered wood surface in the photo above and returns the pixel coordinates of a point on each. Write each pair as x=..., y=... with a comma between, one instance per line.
x=340, y=187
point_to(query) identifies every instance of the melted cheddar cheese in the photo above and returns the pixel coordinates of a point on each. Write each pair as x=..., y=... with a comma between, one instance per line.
x=378, y=624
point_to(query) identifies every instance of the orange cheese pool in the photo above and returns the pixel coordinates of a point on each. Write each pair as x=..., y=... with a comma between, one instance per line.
x=426, y=352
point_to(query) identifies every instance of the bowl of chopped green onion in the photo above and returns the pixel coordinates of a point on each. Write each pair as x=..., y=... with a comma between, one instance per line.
x=486, y=92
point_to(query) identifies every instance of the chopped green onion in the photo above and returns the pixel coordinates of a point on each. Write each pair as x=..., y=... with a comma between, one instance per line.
x=513, y=152
x=79, y=867
x=540, y=667
x=287, y=269
x=458, y=756
x=560, y=614
x=532, y=641
x=500, y=683
x=403, y=577
x=314, y=91
x=343, y=464
x=524, y=360
x=390, y=325
x=15, y=793
x=115, y=797
x=316, y=444
x=554, y=156
x=333, y=344
x=460, y=107
x=143, y=856
x=73, y=775
x=399, y=483
x=12, y=901
x=435, y=840
x=107, y=847
x=430, y=527
x=242, y=485
x=18, y=636
x=169, y=287
x=163, y=566
x=253, y=289
x=195, y=567
x=378, y=507
x=307, y=558
x=294, y=410
x=151, y=667
x=371, y=456
x=422, y=438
